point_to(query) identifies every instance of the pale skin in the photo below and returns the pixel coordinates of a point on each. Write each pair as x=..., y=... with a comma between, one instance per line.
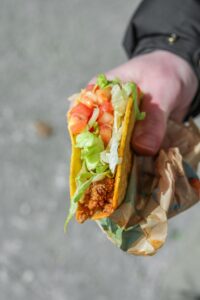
x=169, y=85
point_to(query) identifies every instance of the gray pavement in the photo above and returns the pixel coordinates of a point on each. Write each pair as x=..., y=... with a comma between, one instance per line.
x=48, y=50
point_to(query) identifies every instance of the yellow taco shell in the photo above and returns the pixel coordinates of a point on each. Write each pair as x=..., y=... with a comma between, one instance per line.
x=122, y=170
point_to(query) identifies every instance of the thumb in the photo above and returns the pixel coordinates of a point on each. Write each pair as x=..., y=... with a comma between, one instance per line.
x=149, y=133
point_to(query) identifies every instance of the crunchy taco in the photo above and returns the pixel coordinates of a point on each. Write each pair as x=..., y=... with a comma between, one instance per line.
x=100, y=124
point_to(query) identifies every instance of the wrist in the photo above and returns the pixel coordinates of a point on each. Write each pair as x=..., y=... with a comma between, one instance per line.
x=181, y=68
x=178, y=75
x=188, y=79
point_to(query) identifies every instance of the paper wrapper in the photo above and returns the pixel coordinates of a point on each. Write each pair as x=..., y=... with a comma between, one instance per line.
x=159, y=188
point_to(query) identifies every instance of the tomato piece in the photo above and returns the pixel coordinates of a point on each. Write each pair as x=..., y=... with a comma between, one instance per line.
x=105, y=133
x=79, y=116
x=103, y=95
x=91, y=129
x=81, y=110
x=88, y=102
x=105, y=119
x=76, y=124
x=88, y=98
x=106, y=107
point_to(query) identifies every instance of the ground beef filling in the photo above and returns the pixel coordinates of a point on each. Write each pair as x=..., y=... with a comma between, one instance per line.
x=98, y=197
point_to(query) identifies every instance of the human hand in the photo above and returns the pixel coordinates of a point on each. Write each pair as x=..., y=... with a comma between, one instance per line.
x=169, y=85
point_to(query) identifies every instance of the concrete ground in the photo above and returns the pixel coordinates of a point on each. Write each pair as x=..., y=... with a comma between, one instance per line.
x=48, y=50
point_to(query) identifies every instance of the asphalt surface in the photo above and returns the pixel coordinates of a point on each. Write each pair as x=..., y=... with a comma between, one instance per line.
x=48, y=50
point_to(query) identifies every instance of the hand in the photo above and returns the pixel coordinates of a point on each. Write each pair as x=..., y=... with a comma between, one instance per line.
x=169, y=84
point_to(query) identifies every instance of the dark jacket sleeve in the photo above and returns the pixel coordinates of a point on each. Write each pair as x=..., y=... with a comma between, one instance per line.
x=172, y=25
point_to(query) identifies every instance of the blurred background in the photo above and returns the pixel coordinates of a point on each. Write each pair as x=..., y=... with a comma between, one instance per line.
x=49, y=50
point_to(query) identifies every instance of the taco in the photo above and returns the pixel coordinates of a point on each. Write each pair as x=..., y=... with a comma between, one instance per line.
x=100, y=125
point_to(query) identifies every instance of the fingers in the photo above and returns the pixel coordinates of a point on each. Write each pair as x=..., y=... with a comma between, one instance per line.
x=149, y=133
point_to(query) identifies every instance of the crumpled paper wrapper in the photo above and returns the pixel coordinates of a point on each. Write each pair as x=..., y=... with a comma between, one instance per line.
x=159, y=188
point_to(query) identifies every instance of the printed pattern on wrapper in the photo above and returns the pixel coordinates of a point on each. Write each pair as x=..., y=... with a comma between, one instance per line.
x=158, y=189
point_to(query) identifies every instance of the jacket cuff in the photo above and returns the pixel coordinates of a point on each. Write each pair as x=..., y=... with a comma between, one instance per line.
x=172, y=43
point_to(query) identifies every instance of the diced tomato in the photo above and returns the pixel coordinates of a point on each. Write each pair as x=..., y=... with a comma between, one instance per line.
x=91, y=129
x=76, y=124
x=103, y=95
x=106, y=107
x=81, y=110
x=88, y=102
x=105, y=133
x=105, y=119
x=79, y=116
x=88, y=98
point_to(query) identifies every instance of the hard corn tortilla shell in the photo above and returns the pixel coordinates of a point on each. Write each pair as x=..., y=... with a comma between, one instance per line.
x=75, y=164
x=122, y=171
x=125, y=151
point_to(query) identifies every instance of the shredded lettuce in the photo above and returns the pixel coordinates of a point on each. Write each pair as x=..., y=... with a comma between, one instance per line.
x=114, y=157
x=94, y=117
x=83, y=175
x=127, y=89
x=74, y=201
x=119, y=99
x=110, y=155
x=81, y=188
x=103, y=82
x=101, y=168
x=85, y=139
x=72, y=211
x=130, y=88
x=91, y=147
x=119, y=102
